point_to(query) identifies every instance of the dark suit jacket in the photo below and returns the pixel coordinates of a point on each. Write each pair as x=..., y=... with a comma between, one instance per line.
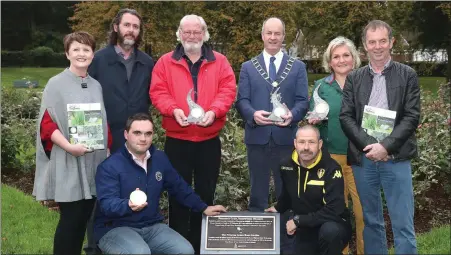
x=254, y=94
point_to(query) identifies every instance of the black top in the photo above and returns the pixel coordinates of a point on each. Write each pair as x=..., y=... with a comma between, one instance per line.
x=194, y=70
x=315, y=193
x=206, y=53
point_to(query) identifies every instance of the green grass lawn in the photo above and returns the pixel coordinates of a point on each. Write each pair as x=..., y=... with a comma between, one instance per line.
x=28, y=227
x=434, y=242
x=9, y=74
x=431, y=83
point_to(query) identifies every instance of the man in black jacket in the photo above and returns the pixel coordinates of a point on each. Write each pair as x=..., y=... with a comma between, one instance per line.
x=313, y=188
x=124, y=72
x=380, y=153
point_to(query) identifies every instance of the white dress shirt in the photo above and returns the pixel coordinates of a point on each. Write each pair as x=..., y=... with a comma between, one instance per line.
x=140, y=163
x=277, y=61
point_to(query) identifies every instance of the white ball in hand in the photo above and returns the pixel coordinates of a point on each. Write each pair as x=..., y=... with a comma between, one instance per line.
x=138, y=197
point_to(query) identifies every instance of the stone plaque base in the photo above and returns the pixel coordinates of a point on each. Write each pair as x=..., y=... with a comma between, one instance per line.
x=241, y=233
x=25, y=84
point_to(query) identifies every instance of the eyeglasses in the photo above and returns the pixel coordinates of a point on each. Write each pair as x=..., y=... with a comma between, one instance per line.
x=189, y=33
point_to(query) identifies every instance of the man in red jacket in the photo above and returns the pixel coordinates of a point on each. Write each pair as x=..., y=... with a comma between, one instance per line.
x=193, y=70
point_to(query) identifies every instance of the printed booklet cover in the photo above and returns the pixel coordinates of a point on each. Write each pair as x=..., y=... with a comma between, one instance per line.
x=378, y=122
x=85, y=125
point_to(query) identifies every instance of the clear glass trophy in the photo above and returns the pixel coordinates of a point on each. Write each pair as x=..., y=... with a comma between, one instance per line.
x=196, y=113
x=278, y=109
x=321, y=109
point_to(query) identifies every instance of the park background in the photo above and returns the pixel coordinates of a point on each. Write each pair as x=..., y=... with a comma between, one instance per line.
x=32, y=52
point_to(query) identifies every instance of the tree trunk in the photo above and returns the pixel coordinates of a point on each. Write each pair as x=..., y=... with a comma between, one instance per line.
x=448, y=51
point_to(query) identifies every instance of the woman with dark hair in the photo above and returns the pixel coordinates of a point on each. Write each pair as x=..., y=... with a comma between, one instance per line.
x=65, y=169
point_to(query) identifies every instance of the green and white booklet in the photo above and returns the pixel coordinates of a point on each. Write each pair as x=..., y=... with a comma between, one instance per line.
x=85, y=125
x=378, y=122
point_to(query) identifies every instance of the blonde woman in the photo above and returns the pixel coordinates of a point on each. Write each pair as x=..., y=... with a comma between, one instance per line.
x=340, y=58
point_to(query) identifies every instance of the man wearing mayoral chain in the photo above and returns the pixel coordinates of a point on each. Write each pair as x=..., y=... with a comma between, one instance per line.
x=272, y=99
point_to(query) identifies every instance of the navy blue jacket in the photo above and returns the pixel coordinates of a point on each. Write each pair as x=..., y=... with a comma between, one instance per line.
x=254, y=94
x=122, y=97
x=119, y=175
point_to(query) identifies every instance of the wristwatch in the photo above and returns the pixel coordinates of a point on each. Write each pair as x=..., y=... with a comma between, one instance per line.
x=296, y=220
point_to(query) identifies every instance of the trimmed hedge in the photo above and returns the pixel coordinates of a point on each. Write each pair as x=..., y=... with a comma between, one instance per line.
x=45, y=57
x=39, y=57
x=429, y=69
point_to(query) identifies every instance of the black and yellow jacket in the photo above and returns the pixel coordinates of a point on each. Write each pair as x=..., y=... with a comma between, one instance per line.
x=315, y=193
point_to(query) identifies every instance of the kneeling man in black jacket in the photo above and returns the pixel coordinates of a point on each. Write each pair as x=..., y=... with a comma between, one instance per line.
x=313, y=188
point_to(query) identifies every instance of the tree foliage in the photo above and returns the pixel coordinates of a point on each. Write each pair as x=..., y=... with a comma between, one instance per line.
x=323, y=21
x=27, y=25
x=433, y=22
x=235, y=27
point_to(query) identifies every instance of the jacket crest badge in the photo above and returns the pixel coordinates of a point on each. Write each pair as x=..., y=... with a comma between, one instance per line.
x=320, y=173
x=158, y=176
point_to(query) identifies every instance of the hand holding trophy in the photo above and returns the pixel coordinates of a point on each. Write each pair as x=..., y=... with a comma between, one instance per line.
x=196, y=113
x=321, y=109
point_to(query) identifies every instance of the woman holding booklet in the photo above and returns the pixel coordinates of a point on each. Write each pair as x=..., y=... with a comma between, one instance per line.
x=72, y=140
x=340, y=58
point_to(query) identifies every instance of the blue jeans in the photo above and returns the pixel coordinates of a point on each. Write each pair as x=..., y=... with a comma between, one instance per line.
x=157, y=239
x=395, y=178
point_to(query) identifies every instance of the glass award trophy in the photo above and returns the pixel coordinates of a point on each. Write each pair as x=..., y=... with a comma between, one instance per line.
x=321, y=107
x=278, y=109
x=196, y=113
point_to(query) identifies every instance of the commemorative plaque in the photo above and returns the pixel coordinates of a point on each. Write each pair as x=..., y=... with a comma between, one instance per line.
x=241, y=233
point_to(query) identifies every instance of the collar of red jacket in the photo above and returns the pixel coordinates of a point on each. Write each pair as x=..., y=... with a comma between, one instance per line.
x=207, y=52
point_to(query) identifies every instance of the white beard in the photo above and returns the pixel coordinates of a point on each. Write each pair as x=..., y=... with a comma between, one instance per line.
x=192, y=47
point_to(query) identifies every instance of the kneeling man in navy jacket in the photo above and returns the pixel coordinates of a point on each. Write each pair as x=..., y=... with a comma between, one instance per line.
x=122, y=227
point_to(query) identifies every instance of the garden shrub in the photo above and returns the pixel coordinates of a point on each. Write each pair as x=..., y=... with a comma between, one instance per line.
x=20, y=108
x=37, y=57
x=433, y=139
x=233, y=182
x=232, y=188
